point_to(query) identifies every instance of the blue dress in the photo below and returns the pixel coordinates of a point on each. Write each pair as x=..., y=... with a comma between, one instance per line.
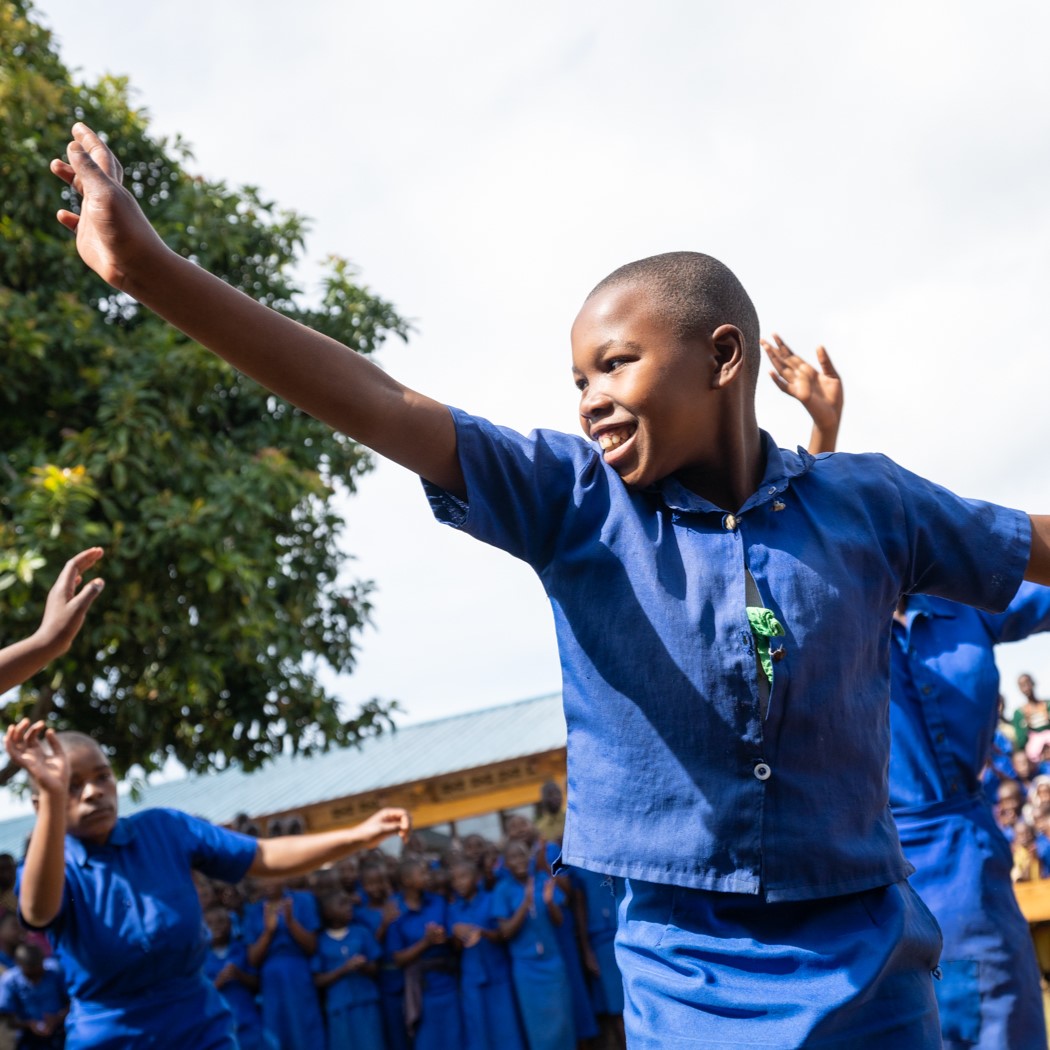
x=238, y=997
x=351, y=1004
x=26, y=1001
x=290, y=1006
x=598, y=893
x=943, y=713
x=490, y=1011
x=130, y=935
x=391, y=981
x=439, y=1025
x=540, y=979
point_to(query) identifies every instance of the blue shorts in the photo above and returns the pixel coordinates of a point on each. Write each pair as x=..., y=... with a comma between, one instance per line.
x=713, y=970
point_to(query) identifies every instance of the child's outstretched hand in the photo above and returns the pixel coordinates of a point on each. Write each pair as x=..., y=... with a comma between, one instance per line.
x=37, y=750
x=382, y=824
x=820, y=393
x=66, y=607
x=112, y=233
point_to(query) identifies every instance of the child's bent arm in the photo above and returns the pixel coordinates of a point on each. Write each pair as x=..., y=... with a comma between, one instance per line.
x=301, y=854
x=44, y=874
x=1038, y=570
x=63, y=616
x=316, y=373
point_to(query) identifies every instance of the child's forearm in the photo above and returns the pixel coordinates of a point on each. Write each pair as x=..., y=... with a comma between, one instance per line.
x=44, y=874
x=21, y=660
x=306, y=939
x=823, y=438
x=300, y=854
x=1038, y=570
x=321, y=376
x=407, y=956
x=555, y=914
x=257, y=949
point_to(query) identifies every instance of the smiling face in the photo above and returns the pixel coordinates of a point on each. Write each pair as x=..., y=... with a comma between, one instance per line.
x=648, y=397
x=91, y=811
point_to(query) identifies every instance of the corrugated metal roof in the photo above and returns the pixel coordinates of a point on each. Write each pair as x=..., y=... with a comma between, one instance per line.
x=447, y=745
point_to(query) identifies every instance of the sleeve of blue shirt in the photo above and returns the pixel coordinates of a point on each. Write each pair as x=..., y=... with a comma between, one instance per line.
x=1027, y=614
x=8, y=1000
x=519, y=488
x=961, y=549
x=216, y=852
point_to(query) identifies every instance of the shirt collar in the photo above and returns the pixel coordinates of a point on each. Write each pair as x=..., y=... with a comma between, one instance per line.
x=81, y=852
x=781, y=467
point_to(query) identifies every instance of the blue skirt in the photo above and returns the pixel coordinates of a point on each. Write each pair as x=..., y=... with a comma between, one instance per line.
x=722, y=970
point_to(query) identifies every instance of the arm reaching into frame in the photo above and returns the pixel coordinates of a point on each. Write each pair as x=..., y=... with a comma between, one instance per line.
x=321, y=376
x=820, y=393
x=63, y=617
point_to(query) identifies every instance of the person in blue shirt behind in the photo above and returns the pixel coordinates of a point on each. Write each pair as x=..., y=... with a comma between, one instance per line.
x=117, y=899
x=527, y=906
x=235, y=979
x=595, y=905
x=490, y=1013
x=378, y=910
x=419, y=942
x=281, y=931
x=723, y=614
x=944, y=710
x=34, y=999
x=345, y=967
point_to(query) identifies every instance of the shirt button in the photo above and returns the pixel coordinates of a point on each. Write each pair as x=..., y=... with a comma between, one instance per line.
x=762, y=771
x=940, y=738
x=778, y=654
x=772, y=490
x=927, y=689
x=729, y=521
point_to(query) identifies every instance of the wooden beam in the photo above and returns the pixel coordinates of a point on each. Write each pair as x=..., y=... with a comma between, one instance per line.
x=438, y=800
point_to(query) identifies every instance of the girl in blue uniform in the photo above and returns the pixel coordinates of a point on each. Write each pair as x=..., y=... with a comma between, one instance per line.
x=117, y=899
x=236, y=980
x=281, y=933
x=377, y=912
x=345, y=968
x=490, y=1013
x=528, y=909
x=420, y=944
x=944, y=709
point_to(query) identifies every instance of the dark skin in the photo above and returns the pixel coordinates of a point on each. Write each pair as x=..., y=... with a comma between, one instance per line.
x=337, y=912
x=218, y=922
x=464, y=879
x=278, y=907
x=413, y=885
x=516, y=859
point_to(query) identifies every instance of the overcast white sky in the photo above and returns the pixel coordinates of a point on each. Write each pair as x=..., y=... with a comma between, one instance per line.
x=875, y=174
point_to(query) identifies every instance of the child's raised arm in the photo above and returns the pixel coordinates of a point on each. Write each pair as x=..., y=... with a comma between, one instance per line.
x=316, y=373
x=44, y=874
x=63, y=616
x=820, y=393
x=300, y=854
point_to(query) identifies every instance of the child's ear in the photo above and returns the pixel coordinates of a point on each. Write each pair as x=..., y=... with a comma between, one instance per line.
x=728, y=354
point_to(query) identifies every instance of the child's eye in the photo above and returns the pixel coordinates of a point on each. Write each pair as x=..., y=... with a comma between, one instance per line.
x=614, y=363
x=580, y=383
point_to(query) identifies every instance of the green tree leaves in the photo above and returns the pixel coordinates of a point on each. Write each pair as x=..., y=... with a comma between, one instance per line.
x=215, y=500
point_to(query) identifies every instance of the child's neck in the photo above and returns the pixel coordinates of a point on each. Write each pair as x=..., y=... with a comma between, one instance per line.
x=731, y=478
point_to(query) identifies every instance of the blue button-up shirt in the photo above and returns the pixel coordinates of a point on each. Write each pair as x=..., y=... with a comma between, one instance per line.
x=130, y=921
x=945, y=692
x=676, y=774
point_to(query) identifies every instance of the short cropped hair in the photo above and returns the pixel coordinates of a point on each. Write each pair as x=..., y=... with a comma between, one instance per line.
x=696, y=293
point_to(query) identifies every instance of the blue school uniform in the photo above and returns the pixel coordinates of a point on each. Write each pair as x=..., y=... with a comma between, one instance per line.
x=944, y=709
x=439, y=1025
x=239, y=997
x=290, y=1006
x=541, y=983
x=490, y=1012
x=351, y=1004
x=764, y=802
x=130, y=936
x=391, y=980
x=599, y=897
x=27, y=1001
